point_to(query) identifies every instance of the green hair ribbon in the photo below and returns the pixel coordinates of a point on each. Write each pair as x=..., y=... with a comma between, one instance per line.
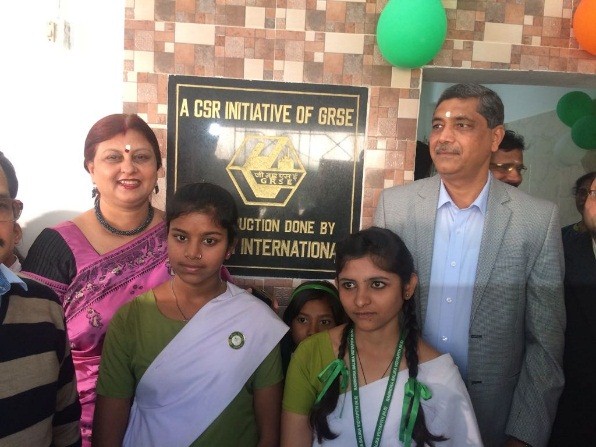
x=336, y=368
x=413, y=391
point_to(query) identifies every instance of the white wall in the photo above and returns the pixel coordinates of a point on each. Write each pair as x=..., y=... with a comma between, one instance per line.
x=51, y=95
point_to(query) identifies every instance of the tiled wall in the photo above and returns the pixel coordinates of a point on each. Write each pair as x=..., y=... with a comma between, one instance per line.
x=320, y=41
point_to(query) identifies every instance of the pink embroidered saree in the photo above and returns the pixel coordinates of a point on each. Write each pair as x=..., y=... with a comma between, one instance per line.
x=101, y=285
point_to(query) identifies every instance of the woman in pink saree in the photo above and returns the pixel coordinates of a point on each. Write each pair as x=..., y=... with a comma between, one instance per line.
x=111, y=253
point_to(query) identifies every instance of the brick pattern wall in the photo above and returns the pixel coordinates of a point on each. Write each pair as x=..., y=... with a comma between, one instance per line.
x=320, y=41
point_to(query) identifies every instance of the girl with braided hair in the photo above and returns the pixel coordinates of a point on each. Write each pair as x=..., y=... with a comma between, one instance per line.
x=373, y=381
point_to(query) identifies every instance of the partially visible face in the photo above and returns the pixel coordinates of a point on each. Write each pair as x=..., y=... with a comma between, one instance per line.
x=589, y=212
x=371, y=296
x=512, y=161
x=461, y=143
x=124, y=177
x=10, y=231
x=581, y=195
x=197, y=247
x=315, y=316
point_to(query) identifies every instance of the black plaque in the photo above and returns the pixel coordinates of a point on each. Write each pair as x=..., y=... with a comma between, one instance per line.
x=292, y=156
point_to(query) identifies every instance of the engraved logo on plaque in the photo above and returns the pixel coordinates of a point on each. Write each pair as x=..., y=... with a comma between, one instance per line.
x=266, y=170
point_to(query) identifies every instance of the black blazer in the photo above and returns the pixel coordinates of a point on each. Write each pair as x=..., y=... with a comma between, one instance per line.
x=576, y=413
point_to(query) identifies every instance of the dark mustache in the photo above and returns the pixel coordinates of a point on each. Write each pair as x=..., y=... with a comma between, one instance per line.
x=445, y=149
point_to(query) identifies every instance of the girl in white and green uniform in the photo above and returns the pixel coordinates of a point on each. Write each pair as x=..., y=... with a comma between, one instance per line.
x=373, y=381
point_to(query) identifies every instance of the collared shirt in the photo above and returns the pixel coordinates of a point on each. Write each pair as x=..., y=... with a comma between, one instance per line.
x=8, y=277
x=458, y=234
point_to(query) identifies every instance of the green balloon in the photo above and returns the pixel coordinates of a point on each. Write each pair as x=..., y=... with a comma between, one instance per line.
x=574, y=105
x=583, y=132
x=411, y=32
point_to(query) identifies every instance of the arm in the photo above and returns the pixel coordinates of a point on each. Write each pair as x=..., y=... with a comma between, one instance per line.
x=65, y=423
x=116, y=383
x=110, y=421
x=301, y=389
x=295, y=430
x=267, y=405
x=51, y=262
x=268, y=388
x=379, y=216
x=50, y=257
x=541, y=378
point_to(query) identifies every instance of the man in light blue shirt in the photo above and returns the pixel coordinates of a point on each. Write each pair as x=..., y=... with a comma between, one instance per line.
x=490, y=267
x=453, y=273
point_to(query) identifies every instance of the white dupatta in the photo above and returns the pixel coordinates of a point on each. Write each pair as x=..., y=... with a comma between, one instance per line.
x=199, y=372
x=449, y=412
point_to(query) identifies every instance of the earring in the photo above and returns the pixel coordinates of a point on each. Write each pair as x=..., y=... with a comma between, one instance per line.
x=171, y=271
x=156, y=189
x=94, y=192
x=407, y=295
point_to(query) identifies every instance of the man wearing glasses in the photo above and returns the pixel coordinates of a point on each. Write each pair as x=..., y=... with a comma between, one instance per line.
x=507, y=164
x=574, y=424
x=39, y=404
x=580, y=192
x=490, y=264
x=10, y=211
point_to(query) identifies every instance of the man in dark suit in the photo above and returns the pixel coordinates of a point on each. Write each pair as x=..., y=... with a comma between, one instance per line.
x=490, y=265
x=576, y=415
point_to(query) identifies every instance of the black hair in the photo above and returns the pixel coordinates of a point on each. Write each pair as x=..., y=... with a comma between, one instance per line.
x=589, y=177
x=490, y=105
x=388, y=252
x=263, y=296
x=305, y=292
x=511, y=141
x=10, y=174
x=205, y=198
x=118, y=123
x=423, y=163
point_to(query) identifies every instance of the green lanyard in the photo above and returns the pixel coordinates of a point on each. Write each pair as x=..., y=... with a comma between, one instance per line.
x=388, y=391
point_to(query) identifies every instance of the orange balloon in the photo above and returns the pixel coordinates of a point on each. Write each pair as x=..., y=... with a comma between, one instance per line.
x=584, y=25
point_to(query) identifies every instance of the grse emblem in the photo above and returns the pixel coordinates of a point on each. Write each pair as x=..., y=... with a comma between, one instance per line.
x=266, y=170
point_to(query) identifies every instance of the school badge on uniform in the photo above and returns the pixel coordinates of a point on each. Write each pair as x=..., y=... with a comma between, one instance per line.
x=236, y=340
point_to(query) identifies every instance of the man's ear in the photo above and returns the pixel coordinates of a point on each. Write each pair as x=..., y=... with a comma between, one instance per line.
x=498, y=134
x=18, y=233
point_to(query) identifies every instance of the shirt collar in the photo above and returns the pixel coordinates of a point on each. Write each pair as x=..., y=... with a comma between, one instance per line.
x=11, y=277
x=481, y=201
